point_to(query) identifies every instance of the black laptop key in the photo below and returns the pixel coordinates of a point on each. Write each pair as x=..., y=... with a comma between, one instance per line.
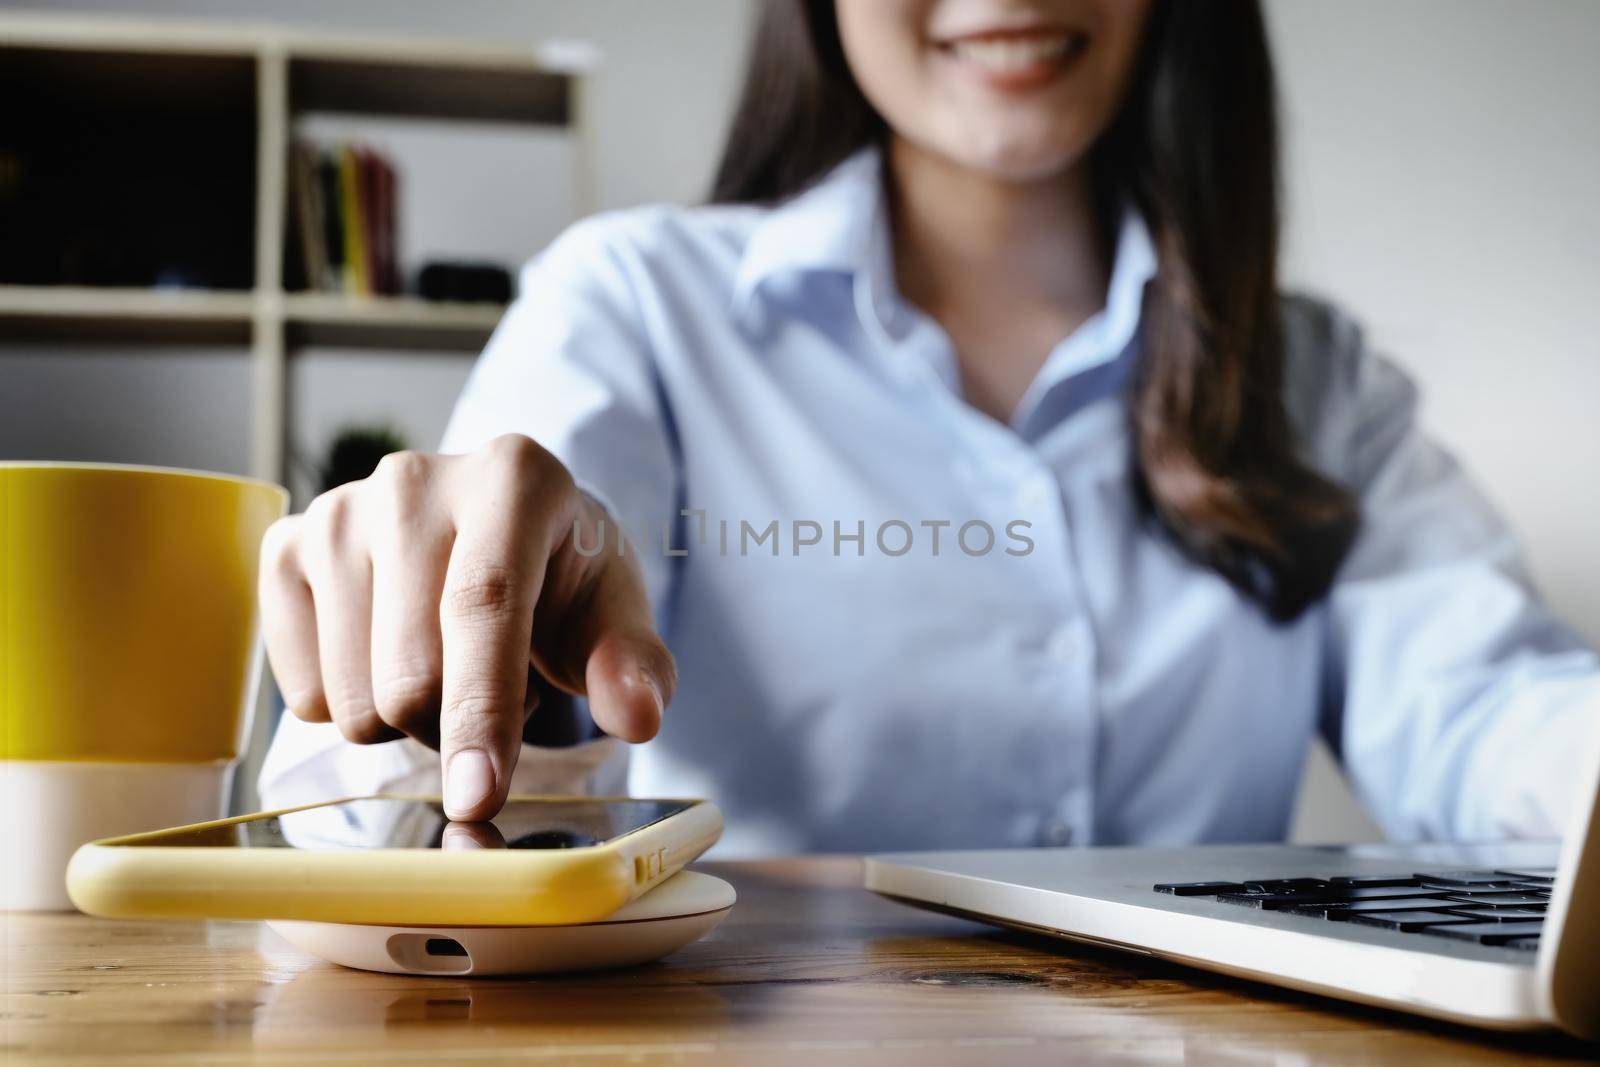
x=1275, y=886
x=1502, y=915
x=1475, y=887
x=1411, y=921
x=1317, y=909
x=1502, y=899
x=1374, y=881
x=1397, y=892
x=1199, y=889
x=1340, y=910
x=1487, y=933
x=1531, y=874
x=1345, y=897
x=1461, y=877
x=1272, y=901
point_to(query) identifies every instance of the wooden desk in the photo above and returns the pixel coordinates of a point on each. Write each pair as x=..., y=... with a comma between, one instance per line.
x=807, y=969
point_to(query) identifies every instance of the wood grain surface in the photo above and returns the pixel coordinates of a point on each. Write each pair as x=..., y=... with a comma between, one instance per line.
x=807, y=969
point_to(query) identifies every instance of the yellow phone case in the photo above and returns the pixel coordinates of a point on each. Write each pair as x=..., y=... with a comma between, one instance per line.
x=387, y=886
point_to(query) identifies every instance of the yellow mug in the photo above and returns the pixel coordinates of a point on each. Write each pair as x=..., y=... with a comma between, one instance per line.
x=129, y=654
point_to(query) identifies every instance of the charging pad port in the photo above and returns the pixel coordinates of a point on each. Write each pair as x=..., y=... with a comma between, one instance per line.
x=422, y=954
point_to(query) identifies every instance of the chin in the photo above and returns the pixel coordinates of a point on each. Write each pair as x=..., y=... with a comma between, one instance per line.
x=1019, y=147
x=1020, y=159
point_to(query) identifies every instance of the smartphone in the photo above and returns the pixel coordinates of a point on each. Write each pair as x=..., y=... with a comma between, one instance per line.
x=398, y=860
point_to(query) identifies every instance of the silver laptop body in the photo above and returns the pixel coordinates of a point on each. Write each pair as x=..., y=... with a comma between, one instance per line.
x=1395, y=953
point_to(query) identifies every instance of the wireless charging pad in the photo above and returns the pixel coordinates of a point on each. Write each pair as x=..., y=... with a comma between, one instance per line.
x=676, y=913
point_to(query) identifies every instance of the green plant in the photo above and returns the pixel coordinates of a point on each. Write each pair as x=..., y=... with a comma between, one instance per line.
x=355, y=453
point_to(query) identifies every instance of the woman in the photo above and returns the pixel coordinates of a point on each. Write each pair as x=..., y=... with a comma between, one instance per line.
x=980, y=482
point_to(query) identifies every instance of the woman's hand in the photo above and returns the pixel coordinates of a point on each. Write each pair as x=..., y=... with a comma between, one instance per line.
x=420, y=601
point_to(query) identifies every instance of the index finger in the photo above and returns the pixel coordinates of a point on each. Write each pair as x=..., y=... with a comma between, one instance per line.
x=486, y=625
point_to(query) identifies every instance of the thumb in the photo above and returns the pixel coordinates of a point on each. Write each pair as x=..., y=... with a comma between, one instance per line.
x=608, y=650
x=630, y=678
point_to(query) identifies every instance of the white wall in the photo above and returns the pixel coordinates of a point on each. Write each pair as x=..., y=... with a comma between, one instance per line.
x=58, y=403
x=1443, y=184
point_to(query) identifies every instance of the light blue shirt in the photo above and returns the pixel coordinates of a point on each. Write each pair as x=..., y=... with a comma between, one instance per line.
x=902, y=624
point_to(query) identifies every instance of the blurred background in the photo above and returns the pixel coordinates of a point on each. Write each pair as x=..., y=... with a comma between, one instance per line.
x=1443, y=180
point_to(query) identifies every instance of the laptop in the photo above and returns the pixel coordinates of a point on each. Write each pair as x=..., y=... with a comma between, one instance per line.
x=1503, y=935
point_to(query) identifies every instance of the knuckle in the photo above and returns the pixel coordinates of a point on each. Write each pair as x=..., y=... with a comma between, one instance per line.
x=407, y=698
x=471, y=715
x=521, y=474
x=307, y=705
x=405, y=465
x=332, y=517
x=279, y=558
x=403, y=471
x=516, y=450
x=363, y=728
x=350, y=700
x=483, y=590
x=523, y=462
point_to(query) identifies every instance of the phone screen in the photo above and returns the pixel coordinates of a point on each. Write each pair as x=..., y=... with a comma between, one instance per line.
x=400, y=822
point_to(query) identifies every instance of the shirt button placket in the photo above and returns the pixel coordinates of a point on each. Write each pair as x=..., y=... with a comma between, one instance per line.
x=1067, y=673
x=1064, y=644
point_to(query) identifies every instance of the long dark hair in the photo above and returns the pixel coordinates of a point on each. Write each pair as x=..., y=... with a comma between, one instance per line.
x=1194, y=149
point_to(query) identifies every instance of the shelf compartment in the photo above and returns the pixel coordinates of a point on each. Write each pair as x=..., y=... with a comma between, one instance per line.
x=393, y=322
x=439, y=89
x=177, y=132
x=64, y=312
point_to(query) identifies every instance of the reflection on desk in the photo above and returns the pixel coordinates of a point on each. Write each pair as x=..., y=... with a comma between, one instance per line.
x=807, y=968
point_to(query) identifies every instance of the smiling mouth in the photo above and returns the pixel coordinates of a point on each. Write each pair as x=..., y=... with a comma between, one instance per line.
x=1016, y=59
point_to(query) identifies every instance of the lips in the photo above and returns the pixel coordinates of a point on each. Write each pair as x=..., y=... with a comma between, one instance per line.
x=1016, y=58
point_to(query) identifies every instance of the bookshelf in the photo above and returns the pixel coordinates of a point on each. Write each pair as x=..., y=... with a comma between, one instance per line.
x=252, y=80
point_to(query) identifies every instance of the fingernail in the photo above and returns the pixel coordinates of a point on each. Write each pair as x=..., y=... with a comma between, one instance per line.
x=654, y=686
x=468, y=782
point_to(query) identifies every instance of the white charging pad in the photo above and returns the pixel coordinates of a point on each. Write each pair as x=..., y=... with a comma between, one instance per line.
x=676, y=913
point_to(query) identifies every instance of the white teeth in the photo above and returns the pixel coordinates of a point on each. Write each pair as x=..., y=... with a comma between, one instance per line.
x=1012, y=54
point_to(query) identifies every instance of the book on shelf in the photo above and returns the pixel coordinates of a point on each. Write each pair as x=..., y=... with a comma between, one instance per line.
x=386, y=265
x=357, y=282
x=343, y=199
x=307, y=208
x=332, y=229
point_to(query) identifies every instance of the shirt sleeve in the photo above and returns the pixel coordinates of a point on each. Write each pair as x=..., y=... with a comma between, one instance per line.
x=1459, y=705
x=570, y=367
x=312, y=762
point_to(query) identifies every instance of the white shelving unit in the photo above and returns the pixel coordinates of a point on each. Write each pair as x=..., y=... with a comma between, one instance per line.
x=294, y=72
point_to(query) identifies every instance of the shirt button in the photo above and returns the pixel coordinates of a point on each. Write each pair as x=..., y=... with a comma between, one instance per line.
x=1054, y=832
x=1033, y=497
x=1063, y=645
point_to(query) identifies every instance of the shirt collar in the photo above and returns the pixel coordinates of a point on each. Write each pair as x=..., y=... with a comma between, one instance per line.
x=840, y=225
x=1133, y=265
x=831, y=226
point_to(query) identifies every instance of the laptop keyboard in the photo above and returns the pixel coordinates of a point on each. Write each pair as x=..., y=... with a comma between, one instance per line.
x=1488, y=907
